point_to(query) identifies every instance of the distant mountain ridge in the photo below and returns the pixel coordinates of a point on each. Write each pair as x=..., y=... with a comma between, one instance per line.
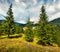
x=2, y=21
x=55, y=21
x=21, y=24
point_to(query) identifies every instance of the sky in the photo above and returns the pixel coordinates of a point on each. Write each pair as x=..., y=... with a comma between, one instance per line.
x=23, y=9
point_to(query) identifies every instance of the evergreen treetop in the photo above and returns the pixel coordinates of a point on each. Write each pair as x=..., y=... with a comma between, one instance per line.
x=43, y=16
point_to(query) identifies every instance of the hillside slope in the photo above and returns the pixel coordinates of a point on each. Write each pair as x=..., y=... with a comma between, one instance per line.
x=20, y=45
x=56, y=21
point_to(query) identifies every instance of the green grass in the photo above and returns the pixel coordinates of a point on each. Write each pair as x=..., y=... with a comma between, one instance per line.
x=58, y=39
x=20, y=45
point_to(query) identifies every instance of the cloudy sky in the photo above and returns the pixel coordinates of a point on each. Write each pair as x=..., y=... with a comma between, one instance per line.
x=24, y=8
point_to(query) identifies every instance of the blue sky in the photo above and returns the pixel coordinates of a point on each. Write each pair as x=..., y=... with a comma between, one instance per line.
x=24, y=8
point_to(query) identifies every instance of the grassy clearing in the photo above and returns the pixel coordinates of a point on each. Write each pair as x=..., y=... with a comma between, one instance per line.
x=20, y=45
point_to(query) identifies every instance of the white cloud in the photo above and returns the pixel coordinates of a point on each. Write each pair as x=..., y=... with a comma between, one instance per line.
x=58, y=6
x=56, y=15
x=23, y=22
x=34, y=19
x=24, y=8
x=50, y=9
x=23, y=4
x=1, y=11
x=17, y=1
x=34, y=2
x=53, y=10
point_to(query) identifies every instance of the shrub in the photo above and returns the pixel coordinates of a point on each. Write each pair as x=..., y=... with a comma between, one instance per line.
x=29, y=35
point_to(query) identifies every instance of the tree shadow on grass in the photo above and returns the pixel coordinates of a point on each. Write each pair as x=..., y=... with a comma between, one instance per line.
x=17, y=36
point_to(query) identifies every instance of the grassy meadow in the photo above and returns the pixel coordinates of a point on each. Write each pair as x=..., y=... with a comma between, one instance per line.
x=20, y=45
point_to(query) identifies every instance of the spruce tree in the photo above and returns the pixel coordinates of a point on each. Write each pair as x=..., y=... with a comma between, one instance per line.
x=10, y=21
x=28, y=32
x=43, y=21
x=0, y=29
x=44, y=29
x=18, y=29
x=43, y=17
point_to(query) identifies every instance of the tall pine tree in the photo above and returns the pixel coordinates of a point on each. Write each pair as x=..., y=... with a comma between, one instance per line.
x=43, y=17
x=43, y=21
x=28, y=32
x=44, y=29
x=10, y=21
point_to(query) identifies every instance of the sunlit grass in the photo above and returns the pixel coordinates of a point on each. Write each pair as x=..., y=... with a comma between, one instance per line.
x=20, y=45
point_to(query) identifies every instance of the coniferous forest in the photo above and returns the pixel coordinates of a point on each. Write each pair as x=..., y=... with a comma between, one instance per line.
x=14, y=38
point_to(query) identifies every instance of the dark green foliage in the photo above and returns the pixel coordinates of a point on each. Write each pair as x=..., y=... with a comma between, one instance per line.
x=43, y=17
x=29, y=35
x=8, y=27
x=29, y=24
x=50, y=36
x=28, y=32
x=45, y=31
x=18, y=29
x=10, y=21
x=57, y=35
x=2, y=28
